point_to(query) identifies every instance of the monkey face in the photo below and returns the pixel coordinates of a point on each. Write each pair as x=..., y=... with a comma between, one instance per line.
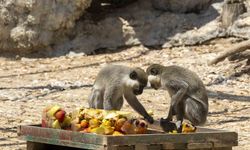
x=138, y=80
x=154, y=72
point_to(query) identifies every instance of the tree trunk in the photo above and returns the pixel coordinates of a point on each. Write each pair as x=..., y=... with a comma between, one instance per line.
x=240, y=47
x=231, y=10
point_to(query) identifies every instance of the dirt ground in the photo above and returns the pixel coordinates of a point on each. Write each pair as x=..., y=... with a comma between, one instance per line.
x=28, y=84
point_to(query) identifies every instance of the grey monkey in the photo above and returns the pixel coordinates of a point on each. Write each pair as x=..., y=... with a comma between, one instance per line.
x=113, y=83
x=188, y=94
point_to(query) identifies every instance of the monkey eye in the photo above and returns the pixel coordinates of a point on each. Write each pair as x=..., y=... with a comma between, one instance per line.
x=133, y=75
x=154, y=71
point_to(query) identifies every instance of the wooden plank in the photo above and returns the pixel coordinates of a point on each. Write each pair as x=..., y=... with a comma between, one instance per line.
x=57, y=142
x=223, y=148
x=169, y=146
x=148, y=147
x=122, y=147
x=200, y=145
x=218, y=137
x=62, y=135
x=42, y=146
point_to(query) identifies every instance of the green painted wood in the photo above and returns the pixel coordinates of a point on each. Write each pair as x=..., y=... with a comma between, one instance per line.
x=204, y=138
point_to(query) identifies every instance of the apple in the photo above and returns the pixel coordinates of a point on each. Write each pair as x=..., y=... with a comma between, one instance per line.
x=60, y=115
x=84, y=124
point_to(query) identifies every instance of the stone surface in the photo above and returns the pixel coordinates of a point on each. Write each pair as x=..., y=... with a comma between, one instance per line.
x=58, y=27
x=35, y=24
x=241, y=27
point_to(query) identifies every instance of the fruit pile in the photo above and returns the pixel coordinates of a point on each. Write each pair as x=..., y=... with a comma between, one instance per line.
x=107, y=122
x=55, y=117
x=93, y=121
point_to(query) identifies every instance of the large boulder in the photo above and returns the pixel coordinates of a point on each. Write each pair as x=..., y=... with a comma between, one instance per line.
x=27, y=25
x=181, y=6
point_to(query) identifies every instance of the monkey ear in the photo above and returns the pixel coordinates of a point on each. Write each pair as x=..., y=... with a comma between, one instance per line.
x=154, y=71
x=133, y=75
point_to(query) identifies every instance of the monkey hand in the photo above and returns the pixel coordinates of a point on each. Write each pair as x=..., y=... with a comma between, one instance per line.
x=149, y=119
x=167, y=125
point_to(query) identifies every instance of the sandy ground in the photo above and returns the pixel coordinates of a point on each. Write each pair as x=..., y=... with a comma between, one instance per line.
x=27, y=85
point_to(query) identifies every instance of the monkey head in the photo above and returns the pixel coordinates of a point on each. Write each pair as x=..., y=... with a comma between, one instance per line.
x=137, y=80
x=154, y=75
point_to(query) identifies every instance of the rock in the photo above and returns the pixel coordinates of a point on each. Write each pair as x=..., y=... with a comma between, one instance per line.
x=181, y=6
x=241, y=27
x=63, y=27
x=35, y=25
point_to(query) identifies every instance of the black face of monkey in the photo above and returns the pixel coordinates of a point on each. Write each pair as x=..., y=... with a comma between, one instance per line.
x=140, y=77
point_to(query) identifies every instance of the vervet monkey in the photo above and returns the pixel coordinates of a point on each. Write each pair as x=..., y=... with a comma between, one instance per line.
x=188, y=94
x=113, y=83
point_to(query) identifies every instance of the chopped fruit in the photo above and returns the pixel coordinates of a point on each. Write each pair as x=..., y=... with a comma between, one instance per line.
x=107, y=123
x=128, y=128
x=66, y=122
x=56, y=125
x=93, y=123
x=98, y=130
x=84, y=124
x=76, y=127
x=187, y=128
x=173, y=132
x=108, y=130
x=117, y=133
x=60, y=115
x=97, y=121
x=119, y=123
x=53, y=110
x=140, y=130
x=150, y=112
x=86, y=130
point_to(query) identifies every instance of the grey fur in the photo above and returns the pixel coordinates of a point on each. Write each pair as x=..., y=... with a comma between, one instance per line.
x=111, y=85
x=188, y=94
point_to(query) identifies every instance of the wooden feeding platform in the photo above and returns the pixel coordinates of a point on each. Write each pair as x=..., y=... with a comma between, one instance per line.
x=39, y=138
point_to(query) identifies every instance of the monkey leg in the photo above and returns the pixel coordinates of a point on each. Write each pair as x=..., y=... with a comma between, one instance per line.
x=96, y=99
x=195, y=112
x=177, y=98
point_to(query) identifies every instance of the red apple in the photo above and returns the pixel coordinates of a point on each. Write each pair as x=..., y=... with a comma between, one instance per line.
x=60, y=115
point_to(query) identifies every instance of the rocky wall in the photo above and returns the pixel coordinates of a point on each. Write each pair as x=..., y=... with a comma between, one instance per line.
x=57, y=27
x=28, y=25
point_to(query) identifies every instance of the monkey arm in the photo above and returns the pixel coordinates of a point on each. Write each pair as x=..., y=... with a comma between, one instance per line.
x=137, y=106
